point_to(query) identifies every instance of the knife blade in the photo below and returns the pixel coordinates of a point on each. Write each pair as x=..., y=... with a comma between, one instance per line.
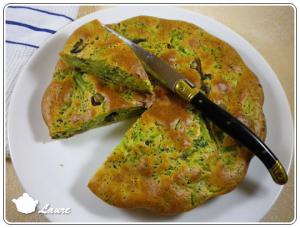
x=180, y=85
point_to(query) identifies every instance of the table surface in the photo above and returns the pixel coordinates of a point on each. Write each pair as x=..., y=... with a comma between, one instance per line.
x=270, y=29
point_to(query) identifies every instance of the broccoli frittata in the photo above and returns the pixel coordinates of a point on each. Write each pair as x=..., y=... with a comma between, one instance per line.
x=93, y=49
x=76, y=101
x=173, y=159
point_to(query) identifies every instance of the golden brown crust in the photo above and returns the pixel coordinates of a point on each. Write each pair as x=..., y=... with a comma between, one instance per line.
x=56, y=95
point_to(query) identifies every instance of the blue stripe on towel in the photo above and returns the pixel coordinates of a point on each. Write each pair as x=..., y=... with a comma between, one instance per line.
x=42, y=11
x=19, y=43
x=30, y=27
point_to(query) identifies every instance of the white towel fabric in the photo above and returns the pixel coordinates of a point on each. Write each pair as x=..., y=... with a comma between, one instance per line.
x=27, y=27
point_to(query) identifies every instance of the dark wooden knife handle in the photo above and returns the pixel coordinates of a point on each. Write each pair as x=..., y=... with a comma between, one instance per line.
x=237, y=130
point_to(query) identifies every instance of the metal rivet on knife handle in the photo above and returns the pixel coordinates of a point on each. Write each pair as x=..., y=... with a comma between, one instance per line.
x=184, y=90
x=278, y=173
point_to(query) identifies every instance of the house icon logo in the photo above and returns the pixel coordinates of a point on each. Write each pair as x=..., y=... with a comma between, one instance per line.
x=25, y=204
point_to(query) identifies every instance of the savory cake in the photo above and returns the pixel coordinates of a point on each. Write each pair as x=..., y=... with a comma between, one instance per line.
x=173, y=159
x=93, y=49
x=76, y=101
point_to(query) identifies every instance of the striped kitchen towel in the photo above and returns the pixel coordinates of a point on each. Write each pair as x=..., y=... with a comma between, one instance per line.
x=27, y=27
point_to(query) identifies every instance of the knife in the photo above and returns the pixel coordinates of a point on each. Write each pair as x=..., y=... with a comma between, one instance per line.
x=180, y=85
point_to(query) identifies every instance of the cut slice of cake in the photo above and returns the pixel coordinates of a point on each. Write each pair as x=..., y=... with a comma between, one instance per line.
x=76, y=101
x=93, y=49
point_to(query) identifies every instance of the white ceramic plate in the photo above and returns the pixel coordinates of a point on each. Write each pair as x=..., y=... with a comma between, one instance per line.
x=57, y=171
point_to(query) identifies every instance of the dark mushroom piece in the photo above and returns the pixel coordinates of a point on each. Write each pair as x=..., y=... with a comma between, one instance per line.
x=78, y=46
x=97, y=99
